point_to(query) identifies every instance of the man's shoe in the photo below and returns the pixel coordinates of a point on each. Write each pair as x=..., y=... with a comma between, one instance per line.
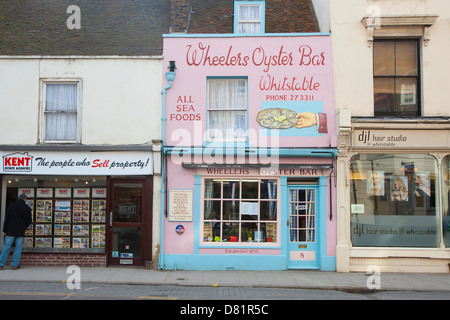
x=15, y=268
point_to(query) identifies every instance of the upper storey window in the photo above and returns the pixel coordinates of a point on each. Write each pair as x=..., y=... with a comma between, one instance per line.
x=249, y=17
x=396, y=78
x=60, y=117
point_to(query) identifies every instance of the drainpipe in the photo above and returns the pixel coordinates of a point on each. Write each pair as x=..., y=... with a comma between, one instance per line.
x=170, y=76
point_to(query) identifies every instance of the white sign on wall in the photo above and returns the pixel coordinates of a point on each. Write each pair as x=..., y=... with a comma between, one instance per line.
x=77, y=163
x=397, y=139
x=180, y=205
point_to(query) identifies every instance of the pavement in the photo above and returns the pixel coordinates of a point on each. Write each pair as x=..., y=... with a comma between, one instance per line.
x=298, y=279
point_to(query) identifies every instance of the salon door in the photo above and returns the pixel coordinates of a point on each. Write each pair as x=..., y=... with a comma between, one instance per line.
x=302, y=228
x=129, y=214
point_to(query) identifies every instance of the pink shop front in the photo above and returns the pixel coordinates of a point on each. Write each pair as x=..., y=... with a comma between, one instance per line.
x=250, y=147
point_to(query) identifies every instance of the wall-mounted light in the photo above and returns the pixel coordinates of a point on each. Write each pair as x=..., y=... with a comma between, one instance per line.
x=171, y=74
x=172, y=66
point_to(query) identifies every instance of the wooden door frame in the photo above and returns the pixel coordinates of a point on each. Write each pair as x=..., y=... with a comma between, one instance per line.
x=147, y=217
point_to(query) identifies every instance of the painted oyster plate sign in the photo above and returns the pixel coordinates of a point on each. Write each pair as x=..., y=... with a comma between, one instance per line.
x=277, y=118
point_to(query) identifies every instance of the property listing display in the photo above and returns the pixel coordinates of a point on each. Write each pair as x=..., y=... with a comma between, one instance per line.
x=65, y=218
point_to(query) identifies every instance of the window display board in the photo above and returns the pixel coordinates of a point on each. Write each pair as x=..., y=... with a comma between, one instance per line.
x=66, y=218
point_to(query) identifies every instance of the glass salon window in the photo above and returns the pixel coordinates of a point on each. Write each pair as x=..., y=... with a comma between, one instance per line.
x=446, y=200
x=394, y=200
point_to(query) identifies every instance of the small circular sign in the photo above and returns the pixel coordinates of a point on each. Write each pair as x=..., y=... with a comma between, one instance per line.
x=180, y=229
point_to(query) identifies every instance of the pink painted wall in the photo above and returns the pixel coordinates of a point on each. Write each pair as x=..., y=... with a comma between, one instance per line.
x=289, y=72
x=180, y=178
x=283, y=72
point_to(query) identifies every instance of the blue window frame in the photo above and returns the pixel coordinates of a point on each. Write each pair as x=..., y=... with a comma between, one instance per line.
x=227, y=107
x=249, y=17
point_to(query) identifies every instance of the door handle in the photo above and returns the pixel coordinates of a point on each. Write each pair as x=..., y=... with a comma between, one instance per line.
x=110, y=218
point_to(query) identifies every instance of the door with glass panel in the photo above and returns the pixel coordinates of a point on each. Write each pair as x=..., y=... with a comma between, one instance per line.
x=127, y=203
x=302, y=228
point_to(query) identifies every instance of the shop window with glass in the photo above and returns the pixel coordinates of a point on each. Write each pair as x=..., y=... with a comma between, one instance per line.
x=302, y=215
x=227, y=109
x=394, y=200
x=446, y=200
x=396, y=78
x=68, y=213
x=60, y=113
x=240, y=211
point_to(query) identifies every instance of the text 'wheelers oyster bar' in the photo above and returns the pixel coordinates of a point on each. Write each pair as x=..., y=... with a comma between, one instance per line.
x=77, y=199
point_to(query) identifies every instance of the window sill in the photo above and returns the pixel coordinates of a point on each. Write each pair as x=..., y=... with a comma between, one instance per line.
x=240, y=245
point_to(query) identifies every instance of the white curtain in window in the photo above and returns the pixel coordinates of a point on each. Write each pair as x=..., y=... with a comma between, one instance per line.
x=61, y=112
x=227, y=109
x=249, y=19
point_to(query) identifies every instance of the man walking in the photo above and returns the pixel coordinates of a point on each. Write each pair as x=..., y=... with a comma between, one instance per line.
x=17, y=219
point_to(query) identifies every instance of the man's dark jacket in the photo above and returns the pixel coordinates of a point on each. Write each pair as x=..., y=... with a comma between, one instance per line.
x=17, y=219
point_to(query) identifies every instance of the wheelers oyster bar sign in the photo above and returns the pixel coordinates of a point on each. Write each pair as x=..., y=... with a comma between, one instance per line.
x=80, y=163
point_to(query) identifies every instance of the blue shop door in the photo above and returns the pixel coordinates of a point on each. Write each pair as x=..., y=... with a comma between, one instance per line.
x=302, y=228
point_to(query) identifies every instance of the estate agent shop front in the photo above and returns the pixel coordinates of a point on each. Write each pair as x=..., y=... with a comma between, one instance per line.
x=89, y=208
x=250, y=148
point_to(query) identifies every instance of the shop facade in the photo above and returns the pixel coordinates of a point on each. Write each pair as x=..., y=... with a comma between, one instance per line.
x=88, y=208
x=396, y=212
x=87, y=162
x=392, y=164
x=249, y=145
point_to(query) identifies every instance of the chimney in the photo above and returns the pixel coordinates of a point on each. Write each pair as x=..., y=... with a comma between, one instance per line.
x=179, y=15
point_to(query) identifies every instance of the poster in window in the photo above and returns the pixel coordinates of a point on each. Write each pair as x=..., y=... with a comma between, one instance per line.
x=81, y=192
x=80, y=243
x=422, y=183
x=249, y=208
x=98, y=236
x=62, y=205
x=29, y=230
x=98, y=192
x=408, y=94
x=44, y=192
x=61, y=242
x=80, y=230
x=43, y=230
x=44, y=210
x=62, y=229
x=62, y=217
x=28, y=242
x=43, y=242
x=399, y=188
x=375, y=183
x=80, y=211
x=98, y=211
x=63, y=193
x=422, y=190
x=28, y=191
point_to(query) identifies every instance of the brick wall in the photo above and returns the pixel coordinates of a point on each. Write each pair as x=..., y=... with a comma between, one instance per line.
x=61, y=259
x=179, y=14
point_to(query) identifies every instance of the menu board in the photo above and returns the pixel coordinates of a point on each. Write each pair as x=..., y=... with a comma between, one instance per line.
x=180, y=205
